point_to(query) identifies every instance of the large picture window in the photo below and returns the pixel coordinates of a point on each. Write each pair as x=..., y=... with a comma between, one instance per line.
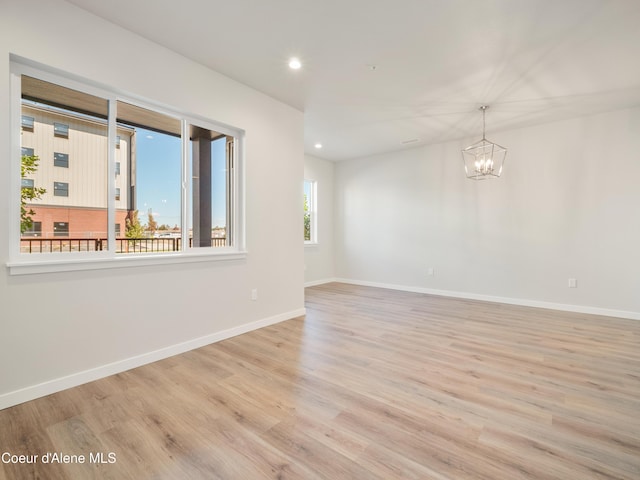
x=126, y=192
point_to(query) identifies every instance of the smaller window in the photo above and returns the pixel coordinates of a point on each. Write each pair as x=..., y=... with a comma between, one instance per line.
x=35, y=230
x=118, y=141
x=117, y=193
x=61, y=160
x=117, y=168
x=310, y=234
x=28, y=183
x=60, y=229
x=61, y=130
x=118, y=231
x=27, y=123
x=28, y=152
x=60, y=189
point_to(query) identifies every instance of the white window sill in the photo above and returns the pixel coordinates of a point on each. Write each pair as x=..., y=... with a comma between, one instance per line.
x=51, y=265
x=310, y=244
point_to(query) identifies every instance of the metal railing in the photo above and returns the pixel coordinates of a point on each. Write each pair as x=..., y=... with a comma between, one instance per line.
x=123, y=244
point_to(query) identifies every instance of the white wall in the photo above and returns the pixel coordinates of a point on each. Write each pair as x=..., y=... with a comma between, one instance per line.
x=566, y=206
x=62, y=324
x=318, y=259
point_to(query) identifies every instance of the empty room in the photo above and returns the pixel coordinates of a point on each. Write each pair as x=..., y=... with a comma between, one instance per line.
x=320, y=240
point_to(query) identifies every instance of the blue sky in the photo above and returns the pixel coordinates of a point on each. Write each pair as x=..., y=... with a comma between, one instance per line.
x=158, y=166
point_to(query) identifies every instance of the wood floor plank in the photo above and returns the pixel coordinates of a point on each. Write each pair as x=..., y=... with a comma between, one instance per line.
x=370, y=384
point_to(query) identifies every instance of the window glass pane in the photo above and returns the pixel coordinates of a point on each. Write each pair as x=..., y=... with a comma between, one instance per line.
x=154, y=202
x=309, y=211
x=26, y=151
x=27, y=123
x=35, y=230
x=69, y=201
x=211, y=158
x=61, y=130
x=61, y=229
x=60, y=189
x=61, y=160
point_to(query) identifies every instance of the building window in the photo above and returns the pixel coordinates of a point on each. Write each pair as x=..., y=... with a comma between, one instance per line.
x=61, y=130
x=33, y=230
x=60, y=229
x=27, y=152
x=27, y=183
x=60, y=189
x=310, y=234
x=159, y=149
x=27, y=123
x=61, y=160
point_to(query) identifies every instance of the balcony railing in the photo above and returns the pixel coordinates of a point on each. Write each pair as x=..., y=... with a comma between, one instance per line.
x=123, y=244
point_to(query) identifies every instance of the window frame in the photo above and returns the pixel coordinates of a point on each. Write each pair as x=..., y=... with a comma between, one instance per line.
x=313, y=212
x=25, y=263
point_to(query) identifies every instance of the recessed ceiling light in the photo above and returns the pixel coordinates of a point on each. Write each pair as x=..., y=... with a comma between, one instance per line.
x=294, y=63
x=318, y=145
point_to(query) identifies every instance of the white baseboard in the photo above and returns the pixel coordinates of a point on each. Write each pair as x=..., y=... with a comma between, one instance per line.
x=508, y=300
x=52, y=386
x=319, y=282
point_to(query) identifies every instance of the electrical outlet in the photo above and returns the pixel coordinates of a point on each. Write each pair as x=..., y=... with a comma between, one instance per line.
x=254, y=294
x=573, y=283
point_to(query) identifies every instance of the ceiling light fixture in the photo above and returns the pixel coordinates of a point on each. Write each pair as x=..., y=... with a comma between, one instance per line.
x=318, y=145
x=483, y=159
x=294, y=63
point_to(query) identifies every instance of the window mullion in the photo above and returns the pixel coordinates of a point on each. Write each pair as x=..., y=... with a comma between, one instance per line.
x=111, y=176
x=185, y=187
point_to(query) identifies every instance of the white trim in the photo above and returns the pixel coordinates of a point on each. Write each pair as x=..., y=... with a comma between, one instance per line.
x=52, y=386
x=607, y=312
x=313, y=283
x=124, y=261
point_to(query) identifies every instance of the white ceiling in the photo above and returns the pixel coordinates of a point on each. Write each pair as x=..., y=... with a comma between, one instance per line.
x=436, y=61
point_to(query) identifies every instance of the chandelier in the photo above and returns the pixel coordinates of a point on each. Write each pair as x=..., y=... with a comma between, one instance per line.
x=483, y=159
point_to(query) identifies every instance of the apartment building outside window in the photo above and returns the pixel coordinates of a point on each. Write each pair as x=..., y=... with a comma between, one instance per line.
x=27, y=123
x=61, y=130
x=61, y=189
x=61, y=160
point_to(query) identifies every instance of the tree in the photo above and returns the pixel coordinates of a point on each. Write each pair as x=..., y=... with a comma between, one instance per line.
x=28, y=166
x=307, y=220
x=133, y=227
x=152, y=225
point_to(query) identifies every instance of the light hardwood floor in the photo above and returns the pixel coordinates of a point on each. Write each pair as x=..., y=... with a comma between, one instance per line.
x=371, y=384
